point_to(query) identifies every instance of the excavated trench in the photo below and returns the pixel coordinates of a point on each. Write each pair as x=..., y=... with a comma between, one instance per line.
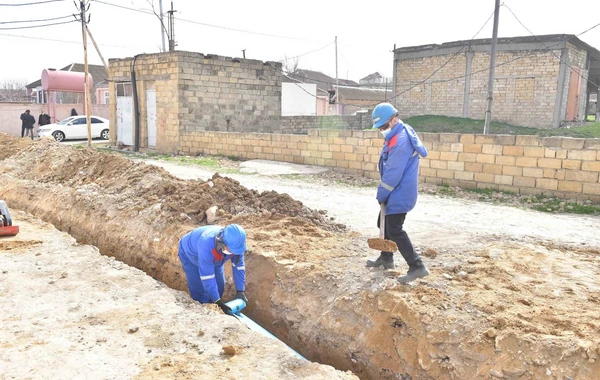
x=300, y=285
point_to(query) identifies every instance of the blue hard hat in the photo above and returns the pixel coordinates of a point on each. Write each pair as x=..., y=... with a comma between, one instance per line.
x=235, y=238
x=382, y=113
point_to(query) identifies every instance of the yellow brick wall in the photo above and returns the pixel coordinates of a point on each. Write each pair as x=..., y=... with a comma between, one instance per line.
x=564, y=167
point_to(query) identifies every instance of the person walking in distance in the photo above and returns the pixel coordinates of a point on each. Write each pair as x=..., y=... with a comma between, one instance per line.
x=398, y=189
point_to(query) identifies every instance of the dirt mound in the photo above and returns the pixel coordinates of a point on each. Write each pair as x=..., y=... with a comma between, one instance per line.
x=137, y=186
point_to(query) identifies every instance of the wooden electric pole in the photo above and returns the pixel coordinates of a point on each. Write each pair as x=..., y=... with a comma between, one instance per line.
x=88, y=108
x=490, y=97
x=337, y=82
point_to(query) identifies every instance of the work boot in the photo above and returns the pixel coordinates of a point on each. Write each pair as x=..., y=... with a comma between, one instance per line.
x=415, y=272
x=386, y=259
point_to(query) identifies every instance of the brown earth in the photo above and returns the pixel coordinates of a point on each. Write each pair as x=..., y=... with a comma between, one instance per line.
x=513, y=308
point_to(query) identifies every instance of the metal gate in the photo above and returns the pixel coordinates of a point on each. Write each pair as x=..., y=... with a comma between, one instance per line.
x=125, y=120
x=151, y=114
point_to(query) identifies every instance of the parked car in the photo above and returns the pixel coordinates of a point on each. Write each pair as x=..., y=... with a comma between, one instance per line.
x=75, y=127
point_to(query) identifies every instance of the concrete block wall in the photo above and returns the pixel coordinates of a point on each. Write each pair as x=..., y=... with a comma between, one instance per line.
x=219, y=93
x=302, y=124
x=560, y=166
x=564, y=167
x=524, y=90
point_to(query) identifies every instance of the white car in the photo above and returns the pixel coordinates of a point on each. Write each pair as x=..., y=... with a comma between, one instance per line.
x=75, y=127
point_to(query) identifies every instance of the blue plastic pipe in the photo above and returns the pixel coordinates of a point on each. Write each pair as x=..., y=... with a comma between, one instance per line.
x=237, y=305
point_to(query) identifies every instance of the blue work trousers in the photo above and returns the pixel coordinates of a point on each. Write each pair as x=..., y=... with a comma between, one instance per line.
x=195, y=286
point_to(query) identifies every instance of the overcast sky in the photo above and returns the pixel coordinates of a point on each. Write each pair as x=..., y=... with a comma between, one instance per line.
x=271, y=30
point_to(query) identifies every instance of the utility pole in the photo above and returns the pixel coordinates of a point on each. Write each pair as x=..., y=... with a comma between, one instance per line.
x=244, y=53
x=162, y=25
x=88, y=107
x=171, y=28
x=490, y=97
x=337, y=82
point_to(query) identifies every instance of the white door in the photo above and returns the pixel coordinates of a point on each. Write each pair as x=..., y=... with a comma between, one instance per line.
x=125, y=120
x=151, y=112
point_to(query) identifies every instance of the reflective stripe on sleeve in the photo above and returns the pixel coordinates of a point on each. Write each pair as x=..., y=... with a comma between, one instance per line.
x=241, y=268
x=386, y=186
x=207, y=277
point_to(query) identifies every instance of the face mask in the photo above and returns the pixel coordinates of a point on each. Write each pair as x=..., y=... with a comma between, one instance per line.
x=386, y=132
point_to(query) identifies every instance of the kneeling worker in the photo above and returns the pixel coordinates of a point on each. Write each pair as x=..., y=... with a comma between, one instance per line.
x=203, y=253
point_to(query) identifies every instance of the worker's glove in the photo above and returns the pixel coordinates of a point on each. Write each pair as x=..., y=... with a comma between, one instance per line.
x=226, y=309
x=241, y=295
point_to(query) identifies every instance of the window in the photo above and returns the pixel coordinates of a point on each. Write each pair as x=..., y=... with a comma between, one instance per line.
x=81, y=120
x=105, y=97
x=96, y=121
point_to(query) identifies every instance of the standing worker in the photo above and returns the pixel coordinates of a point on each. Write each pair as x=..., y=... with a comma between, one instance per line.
x=398, y=189
x=203, y=253
x=27, y=122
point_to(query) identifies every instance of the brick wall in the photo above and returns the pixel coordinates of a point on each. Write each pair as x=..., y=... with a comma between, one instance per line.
x=524, y=90
x=565, y=167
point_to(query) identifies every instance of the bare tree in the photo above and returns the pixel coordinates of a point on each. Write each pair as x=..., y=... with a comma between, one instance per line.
x=13, y=90
x=290, y=65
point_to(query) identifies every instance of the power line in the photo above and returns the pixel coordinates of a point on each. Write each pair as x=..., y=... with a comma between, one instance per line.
x=312, y=51
x=447, y=62
x=23, y=4
x=39, y=26
x=63, y=41
x=42, y=20
x=206, y=24
x=551, y=51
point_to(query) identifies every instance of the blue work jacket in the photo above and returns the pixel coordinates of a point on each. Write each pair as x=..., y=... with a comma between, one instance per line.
x=399, y=169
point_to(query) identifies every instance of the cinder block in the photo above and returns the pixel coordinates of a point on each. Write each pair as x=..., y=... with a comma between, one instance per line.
x=589, y=155
x=492, y=169
x=568, y=186
x=547, y=184
x=581, y=176
x=466, y=176
x=506, y=160
x=591, y=188
x=572, y=143
x=486, y=158
x=534, y=151
x=449, y=137
x=551, y=142
x=437, y=164
x=513, y=151
x=456, y=147
x=428, y=172
x=512, y=170
x=467, y=139
x=473, y=167
x=484, y=139
x=456, y=165
x=441, y=173
x=551, y=163
x=472, y=148
x=484, y=177
x=591, y=166
x=526, y=162
x=524, y=181
x=492, y=149
x=449, y=156
x=503, y=179
x=527, y=140
x=533, y=172
x=504, y=140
